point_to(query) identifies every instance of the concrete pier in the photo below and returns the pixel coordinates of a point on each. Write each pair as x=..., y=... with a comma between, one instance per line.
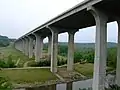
x=23, y=45
x=30, y=47
x=49, y=46
x=38, y=47
x=54, y=48
x=118, y=57
x=70, y=60
x=100, y=49
x=41, y=47
x=26, y=46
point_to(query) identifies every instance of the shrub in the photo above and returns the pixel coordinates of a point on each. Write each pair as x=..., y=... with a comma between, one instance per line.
x=5, y=84
x=10, y=62
x=7, y=63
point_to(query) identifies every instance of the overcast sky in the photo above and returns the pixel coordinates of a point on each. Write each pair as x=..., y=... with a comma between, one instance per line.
x=18, y=17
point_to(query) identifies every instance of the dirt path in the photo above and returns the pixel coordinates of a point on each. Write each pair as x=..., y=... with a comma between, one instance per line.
x=17, y=62
x=69, y=76
x=26, y=64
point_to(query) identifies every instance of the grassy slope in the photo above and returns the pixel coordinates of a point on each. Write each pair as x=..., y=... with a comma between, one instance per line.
x=10, y=50
x=85, y=69
x=23, y=76
x=28, y=75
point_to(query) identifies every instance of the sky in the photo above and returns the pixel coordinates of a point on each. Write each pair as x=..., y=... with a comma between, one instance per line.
x=18, y=17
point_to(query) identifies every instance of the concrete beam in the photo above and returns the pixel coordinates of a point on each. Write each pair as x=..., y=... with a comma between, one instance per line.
x=100, y=49
x=118, y=57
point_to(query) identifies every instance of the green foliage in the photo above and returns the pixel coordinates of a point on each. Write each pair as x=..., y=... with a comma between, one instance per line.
x=3, y=64
x=7, y=63
x=62, y=50
x=77, y=57
x=4, y=41
x=10, y=62
x=42, y=63
x=5, y=84
x=28, y=76
x=112, y=57
x=16, y=55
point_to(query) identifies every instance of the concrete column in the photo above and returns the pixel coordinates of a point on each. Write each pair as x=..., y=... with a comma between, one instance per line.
x=54, y=49
x=26, y=46
x=118, y=57
x=20, y=45
x=41, y=47
x=16, y=45
x=100, y=49
x=23, y=45
x=70, y=51
x=49, y=46
x=30, y=47
x=38, y=47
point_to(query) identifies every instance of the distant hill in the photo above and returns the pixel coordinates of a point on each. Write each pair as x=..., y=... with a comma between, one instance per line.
x=88, y=45
x=5, y=41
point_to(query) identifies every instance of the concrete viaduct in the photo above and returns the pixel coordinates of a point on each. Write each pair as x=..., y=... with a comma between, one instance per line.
x=85, y=14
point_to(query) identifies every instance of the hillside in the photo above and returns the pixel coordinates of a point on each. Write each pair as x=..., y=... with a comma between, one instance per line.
x=5, y=41
x=88, y=45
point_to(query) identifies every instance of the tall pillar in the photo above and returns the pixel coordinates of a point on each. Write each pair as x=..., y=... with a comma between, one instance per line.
x=54, y=49
x=38, y=47
x=49, y=46
x=118, y=57
x=26, y=46
x=100, y=49
x=20, y=44
x=30, y=47
x=41, y=47
x=70, y=50
x=23, y=45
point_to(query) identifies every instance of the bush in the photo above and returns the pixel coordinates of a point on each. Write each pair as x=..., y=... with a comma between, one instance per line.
x=45, y=62
x=10, y=63
x=3, y=64
x=7, y=63
x=5, y=84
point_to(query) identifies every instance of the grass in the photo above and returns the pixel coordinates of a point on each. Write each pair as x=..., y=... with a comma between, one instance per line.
x=21, y=76
x=16, y=55
x=85, y=69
